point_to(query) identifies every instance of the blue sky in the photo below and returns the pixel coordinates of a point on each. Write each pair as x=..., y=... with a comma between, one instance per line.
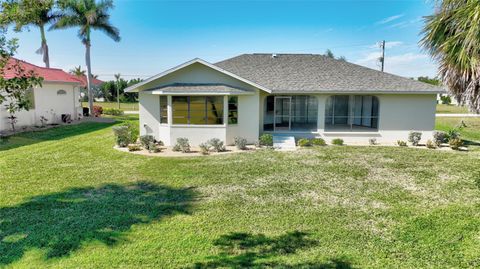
x=157, y=35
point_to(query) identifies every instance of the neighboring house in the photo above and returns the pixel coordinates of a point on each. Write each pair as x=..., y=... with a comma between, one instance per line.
x=59, y=94
x=96, y=83
x=301, y=95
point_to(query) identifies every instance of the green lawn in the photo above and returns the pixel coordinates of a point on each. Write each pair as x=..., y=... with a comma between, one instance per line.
x=451, y=109
x=470, y=132
x=123, y=106
x=69, y=200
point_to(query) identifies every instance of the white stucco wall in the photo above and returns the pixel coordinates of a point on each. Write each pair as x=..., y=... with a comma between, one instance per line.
x=48, y=104
x=149, y=110
x=248, y=120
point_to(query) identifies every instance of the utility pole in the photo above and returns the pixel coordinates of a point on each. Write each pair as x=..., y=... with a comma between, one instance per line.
x=382, y=58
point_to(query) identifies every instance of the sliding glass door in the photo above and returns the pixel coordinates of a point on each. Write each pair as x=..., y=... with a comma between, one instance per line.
x=282, y=118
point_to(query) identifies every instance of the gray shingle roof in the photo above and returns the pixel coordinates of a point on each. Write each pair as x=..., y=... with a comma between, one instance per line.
x=185, y=88
x=291, y=73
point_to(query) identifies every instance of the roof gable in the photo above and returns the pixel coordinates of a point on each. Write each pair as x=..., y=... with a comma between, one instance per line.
x=147, y=84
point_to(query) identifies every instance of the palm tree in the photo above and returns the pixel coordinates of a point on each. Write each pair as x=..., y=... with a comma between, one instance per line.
x=77, y=71
x=37, y=13
x=87, y=15
x=452, y=37
x=117, y=79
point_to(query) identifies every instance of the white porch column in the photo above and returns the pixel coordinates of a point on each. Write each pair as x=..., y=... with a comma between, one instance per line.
x=322, y=100
x=225, y=110
x=170, y=110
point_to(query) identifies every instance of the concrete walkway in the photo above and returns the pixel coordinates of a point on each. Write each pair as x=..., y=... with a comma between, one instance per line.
x=130, y=112
x=458, y=115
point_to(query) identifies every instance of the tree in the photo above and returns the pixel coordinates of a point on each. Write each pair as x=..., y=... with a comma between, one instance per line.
x=330, y=54
x=15, y=90
x=77, y=71
x=432, y=81
x=24, y=13
x=87, y=15
x=452, y=37
x=117, y=80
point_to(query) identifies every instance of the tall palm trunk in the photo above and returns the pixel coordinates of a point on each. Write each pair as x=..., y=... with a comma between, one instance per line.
x=44, y=49
x=89, y=76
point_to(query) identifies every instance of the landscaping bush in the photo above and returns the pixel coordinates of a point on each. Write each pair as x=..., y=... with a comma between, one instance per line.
x=266, y=140
x=455, y=143
x=216, y=144
x=318, y=142
x=204, y=148
x=446, y=100
x=401, y=143
x=453, y=134
x=134, y=147
x=154, y=148
x=241, y=143
x=430, y=144
x=372, y=141
x=337, y=141
x=97, y=111
x=182, y=145
x=414, y=138
x=4, y=139
x=439, y=137
x=146, y=140
x=302, y=142
x=113, y=111
x=123, y=136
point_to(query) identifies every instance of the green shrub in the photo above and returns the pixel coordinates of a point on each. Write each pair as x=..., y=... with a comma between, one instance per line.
x=182, y=145
x=453, y=134
x=414, y=137
x=146, y=140
x=4, y=139
x=372, y=141
x=154, y=148
x=241, y=143
x=337, y=141
x=401, y=143
x=266, y=140
x=318, y=142
x=439, y=137
x=134, y=147
x=204, y=148
x=216, y=144
x=112, y=111
x=445, y=99
x=123, y=136
x=430, y=144
x=303, y=142
x=455, y=143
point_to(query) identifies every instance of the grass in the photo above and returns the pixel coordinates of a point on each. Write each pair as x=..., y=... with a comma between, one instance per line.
x=123, y=106
x=69, y=200
x=470, y=132
x=451, y=109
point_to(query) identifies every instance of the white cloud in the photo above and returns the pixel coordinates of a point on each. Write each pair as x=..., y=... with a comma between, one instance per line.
x=404, y=24
x=407, y=64
x=389, y=19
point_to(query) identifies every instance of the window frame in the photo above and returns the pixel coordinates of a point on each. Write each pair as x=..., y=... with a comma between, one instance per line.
x=230, y=117
x=351, y=117
x=163, y=111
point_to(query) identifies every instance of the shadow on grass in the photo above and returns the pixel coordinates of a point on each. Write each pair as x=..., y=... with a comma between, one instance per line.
x=243, y=250
x=29, y=138
x=60, y=223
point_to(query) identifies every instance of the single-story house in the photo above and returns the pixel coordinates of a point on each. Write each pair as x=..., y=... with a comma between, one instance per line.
x=59, y=94
x=301, y=95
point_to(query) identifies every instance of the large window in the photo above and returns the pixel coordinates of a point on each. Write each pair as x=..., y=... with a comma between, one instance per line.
x=163, y=110
x=351, y=112
x=296, y=113
x=197, y=109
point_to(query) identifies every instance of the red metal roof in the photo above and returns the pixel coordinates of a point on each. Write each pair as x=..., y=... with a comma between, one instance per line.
x=48, y=74
x=83, y=81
